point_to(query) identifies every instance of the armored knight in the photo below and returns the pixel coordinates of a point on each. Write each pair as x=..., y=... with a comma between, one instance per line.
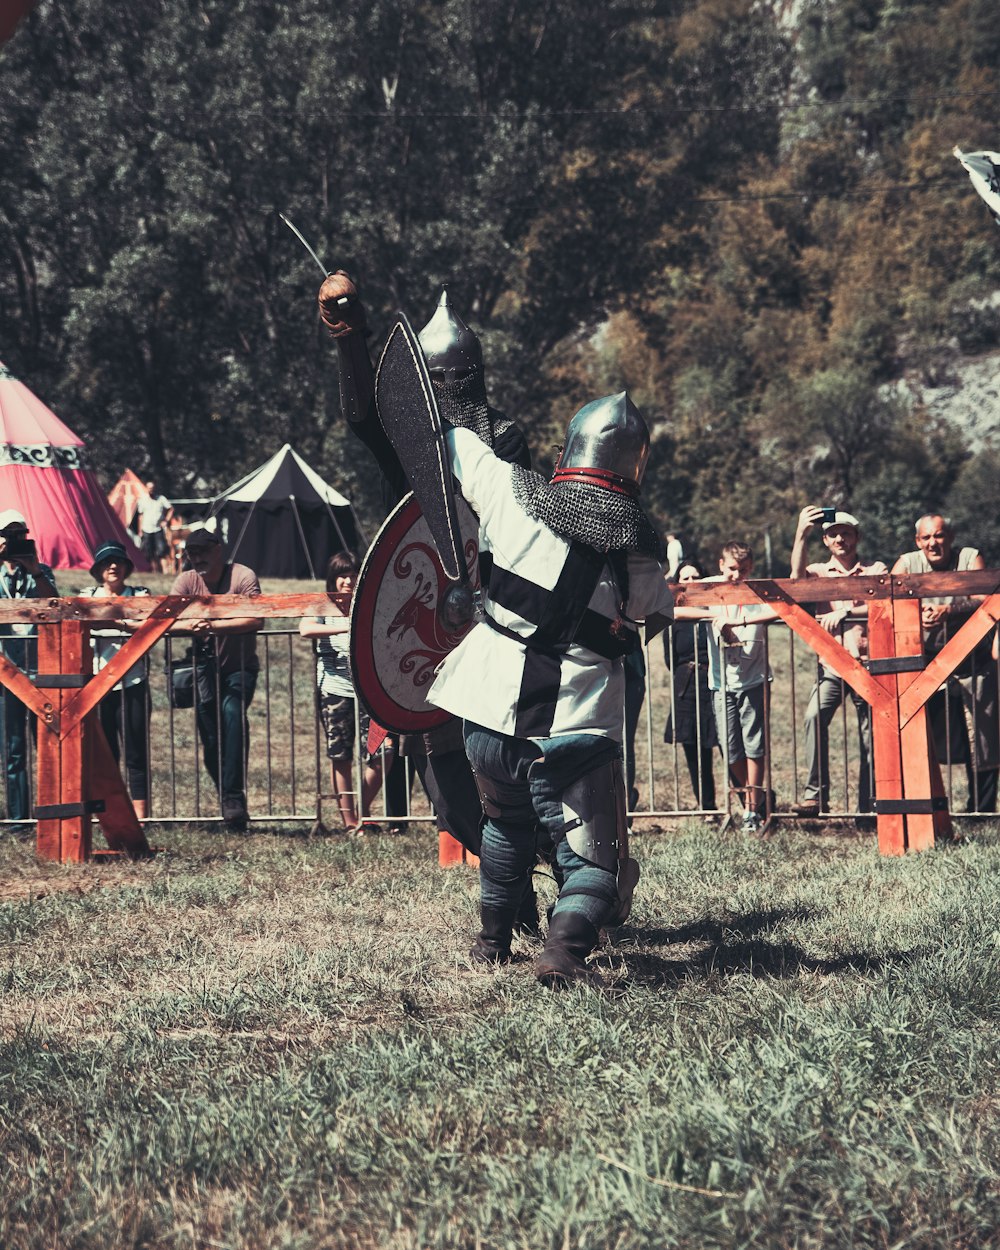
x=568, y=568
x=455, y=361
x=454, y=358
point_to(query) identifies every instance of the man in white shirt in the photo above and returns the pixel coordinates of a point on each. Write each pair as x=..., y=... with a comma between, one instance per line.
x=155, y=511
x=964, y=716
x=569, y=567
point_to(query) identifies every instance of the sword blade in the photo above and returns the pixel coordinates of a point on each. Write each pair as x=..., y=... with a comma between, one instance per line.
x=302, y=239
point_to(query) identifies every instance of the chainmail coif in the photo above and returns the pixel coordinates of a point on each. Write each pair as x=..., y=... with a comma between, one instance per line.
x=463, y=402
x=601, y=518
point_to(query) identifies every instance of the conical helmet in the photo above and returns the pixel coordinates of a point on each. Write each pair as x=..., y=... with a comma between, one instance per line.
x=607, y=445
x=451, y=349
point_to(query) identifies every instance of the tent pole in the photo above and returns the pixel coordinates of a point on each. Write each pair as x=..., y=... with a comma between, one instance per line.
x=302, y=535
x=236, y=545
x=357, y=525
x=336, y=524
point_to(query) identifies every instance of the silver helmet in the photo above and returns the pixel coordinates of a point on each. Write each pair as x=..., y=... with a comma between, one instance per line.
x=450, y=348
x=593, y=494
x=454, y=358
x=607, y=445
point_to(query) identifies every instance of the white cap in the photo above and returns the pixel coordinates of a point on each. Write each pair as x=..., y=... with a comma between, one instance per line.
x=842, y=518
x=203, y=532
x=10, y=517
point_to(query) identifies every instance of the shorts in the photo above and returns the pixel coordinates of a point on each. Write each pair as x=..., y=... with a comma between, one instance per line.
x=154, y=546
x=337, y=714
x=740, y=719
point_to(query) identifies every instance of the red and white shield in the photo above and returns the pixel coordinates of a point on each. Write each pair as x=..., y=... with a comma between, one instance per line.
x=397, y=640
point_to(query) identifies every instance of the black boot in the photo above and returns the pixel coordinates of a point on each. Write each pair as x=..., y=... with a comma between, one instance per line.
x=493, y=944
x=571, y=939
x=527, y=921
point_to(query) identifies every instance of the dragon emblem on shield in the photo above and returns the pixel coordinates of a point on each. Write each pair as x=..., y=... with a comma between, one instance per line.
x=401, y=629
x=417, y=565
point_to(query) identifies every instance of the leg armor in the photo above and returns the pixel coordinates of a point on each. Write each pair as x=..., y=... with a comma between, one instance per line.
x=596, y=828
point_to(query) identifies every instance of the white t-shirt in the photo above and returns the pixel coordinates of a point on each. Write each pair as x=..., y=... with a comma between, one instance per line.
x=746, y=664
x=107, y=641
x=152, y=510
x=333, y=661
x=494, y=680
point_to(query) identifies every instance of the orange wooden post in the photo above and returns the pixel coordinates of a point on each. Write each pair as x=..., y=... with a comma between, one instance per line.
x=887, y=765
x=64, y=664
x=104, y=783
x=914, y=742
x=451, y=852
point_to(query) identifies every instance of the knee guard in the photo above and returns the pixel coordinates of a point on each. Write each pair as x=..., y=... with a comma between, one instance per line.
x=596, y=828
x=488, y=796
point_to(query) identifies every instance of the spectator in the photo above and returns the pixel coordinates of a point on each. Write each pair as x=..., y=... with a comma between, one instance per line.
x=963, y=713
x=841, y=536
x=155, y=513
x=22, y=576
x=690, y=719
x=674, y=556
x=124, y=710
x=228, y=667
x=337, y=699
x=739, y=677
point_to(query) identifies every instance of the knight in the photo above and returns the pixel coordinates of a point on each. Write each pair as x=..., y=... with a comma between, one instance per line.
x=454, y=357
x=570, y=566
x=455, y=361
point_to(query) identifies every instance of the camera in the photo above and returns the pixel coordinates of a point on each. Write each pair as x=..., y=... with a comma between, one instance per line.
x=829, y=515
x=20, y=548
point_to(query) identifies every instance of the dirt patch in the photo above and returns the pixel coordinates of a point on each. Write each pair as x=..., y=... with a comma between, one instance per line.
x=41, y=887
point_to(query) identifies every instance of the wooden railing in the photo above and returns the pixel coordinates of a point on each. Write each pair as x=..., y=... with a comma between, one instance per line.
x=910, y=801
x=77, y=776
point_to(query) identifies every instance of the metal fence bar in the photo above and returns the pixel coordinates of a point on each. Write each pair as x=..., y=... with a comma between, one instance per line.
x=276, y=776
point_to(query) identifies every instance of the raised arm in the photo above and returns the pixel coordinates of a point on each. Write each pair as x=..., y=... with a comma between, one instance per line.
x=343, y=314
x=809, y=518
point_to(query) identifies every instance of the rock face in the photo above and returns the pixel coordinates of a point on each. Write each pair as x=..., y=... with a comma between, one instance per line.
x=972, y=402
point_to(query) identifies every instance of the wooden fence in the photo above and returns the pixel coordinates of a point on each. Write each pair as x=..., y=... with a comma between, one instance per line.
x=78, y=778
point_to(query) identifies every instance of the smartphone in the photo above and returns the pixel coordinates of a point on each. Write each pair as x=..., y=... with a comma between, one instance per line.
x=829, y=516
x=20, y=548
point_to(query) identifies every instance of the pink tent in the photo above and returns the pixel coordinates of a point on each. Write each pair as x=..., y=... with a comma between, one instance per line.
x=44, y=477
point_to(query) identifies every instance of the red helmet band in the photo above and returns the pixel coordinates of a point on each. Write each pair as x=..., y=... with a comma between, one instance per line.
x=597, y=477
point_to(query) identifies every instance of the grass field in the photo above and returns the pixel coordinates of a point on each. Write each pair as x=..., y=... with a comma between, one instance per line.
x=278, y=1042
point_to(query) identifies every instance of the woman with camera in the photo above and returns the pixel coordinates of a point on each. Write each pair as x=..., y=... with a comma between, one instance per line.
x=22, y=576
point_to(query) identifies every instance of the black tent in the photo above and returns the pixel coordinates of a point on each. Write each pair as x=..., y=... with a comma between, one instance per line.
x=283, y=520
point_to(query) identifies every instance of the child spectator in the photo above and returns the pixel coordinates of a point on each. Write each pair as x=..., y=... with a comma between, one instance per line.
x=337, y=699
x=739, y=678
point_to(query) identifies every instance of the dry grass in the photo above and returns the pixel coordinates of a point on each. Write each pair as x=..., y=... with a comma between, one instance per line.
x=277, y=1042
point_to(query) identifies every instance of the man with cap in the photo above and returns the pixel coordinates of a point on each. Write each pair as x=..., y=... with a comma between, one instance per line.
x=572, y=565
x=226, y=655
x=964, y=712
x=841, y=535
x=22, y=576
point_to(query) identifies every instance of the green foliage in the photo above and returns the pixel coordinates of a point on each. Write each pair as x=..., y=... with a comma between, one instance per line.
x=773, y=208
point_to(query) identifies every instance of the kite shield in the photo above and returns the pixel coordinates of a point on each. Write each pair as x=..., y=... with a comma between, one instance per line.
x=409, y=415
x=398, y=637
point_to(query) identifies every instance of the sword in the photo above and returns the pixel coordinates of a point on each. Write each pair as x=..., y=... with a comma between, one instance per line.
x=343, y=301
x=302, y=239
